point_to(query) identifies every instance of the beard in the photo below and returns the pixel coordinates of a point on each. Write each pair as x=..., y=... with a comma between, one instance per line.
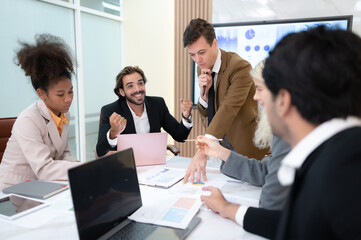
x=263, y=136
x=131, y=98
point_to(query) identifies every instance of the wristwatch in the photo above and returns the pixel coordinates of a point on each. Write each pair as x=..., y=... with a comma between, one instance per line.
x=189, y=119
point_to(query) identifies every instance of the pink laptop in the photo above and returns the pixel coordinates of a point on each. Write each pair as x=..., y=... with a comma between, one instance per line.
x=148, y=148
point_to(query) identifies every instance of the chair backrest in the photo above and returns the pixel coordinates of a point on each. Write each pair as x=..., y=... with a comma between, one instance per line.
x=6, y=124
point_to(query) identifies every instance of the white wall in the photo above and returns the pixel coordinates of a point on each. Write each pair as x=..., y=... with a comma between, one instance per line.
x=256, y=10
x=149, y=43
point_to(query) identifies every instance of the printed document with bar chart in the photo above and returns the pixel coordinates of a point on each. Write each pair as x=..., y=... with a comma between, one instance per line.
x=174, y=212
x=163, y=177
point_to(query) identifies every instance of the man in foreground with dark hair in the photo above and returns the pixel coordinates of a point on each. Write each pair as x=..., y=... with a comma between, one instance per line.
x=315, y=105
x=134, y=112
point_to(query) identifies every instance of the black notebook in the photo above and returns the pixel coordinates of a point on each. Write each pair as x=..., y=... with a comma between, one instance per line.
x=36, y=189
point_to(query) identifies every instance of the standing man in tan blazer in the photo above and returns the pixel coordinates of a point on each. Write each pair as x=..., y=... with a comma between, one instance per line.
x=226, y=96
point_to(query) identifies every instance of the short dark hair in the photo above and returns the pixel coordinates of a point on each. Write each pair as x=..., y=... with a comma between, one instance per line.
x=321, y=68
x=46, y=61
x=198, y=27
x=127, y=71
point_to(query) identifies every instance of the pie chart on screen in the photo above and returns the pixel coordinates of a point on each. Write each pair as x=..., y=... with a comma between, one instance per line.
x=250, y=34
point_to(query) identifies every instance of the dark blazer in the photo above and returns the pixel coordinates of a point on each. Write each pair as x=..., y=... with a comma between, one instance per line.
x=325, y=199
x=158, y=115
x=236, y=112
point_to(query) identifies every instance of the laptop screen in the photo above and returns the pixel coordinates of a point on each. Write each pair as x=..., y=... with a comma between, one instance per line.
x=149, y=148
x=105, y=192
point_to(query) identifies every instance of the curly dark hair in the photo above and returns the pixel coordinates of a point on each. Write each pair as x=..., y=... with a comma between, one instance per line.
x=198, y=27
x=49, y=59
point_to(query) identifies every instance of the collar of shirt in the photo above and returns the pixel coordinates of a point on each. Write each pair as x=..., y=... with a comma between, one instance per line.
x=216, y=67
x=144, y=114
x=217, y=64
x=59, y=121
x=308, y=144
x=141, y=123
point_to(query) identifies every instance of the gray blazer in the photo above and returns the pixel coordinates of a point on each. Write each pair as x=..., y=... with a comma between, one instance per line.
x=35, y=149
x=261, y=173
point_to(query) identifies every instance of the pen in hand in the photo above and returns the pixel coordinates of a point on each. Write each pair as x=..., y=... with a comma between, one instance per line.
x=194, y=140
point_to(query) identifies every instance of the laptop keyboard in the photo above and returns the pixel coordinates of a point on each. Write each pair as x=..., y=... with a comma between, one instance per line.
x=134, y=230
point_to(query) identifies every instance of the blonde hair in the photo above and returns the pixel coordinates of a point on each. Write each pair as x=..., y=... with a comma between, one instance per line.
x=263, y=136
x=256, y=72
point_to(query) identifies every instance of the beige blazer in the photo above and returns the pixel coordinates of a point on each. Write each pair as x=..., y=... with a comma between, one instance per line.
x=236, y=112
x=35, y=150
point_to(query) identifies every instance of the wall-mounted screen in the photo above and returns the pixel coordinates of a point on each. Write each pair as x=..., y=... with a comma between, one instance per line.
x=253, y=40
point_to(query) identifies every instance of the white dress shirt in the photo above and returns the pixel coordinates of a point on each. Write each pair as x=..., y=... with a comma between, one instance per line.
x=296, y=157
x=141, y=125
x=308, y=144
x=215, y=69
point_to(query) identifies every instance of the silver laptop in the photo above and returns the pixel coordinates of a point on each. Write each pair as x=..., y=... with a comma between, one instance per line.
x=105, y=192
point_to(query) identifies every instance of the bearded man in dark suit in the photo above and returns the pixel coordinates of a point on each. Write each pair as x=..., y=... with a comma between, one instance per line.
x=134, y=112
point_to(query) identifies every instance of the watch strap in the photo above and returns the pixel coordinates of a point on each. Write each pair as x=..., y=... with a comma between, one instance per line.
x=189, y=119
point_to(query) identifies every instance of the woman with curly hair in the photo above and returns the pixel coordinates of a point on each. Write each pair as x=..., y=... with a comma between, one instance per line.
x=38, y=147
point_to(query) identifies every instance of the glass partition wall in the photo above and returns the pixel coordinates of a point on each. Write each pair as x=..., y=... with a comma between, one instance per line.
x=93, y=29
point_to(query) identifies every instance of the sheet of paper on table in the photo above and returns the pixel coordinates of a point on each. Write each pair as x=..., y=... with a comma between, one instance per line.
x=163, y=177
x=172, y=211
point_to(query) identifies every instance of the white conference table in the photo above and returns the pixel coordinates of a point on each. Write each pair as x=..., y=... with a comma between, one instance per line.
x=54, y=222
